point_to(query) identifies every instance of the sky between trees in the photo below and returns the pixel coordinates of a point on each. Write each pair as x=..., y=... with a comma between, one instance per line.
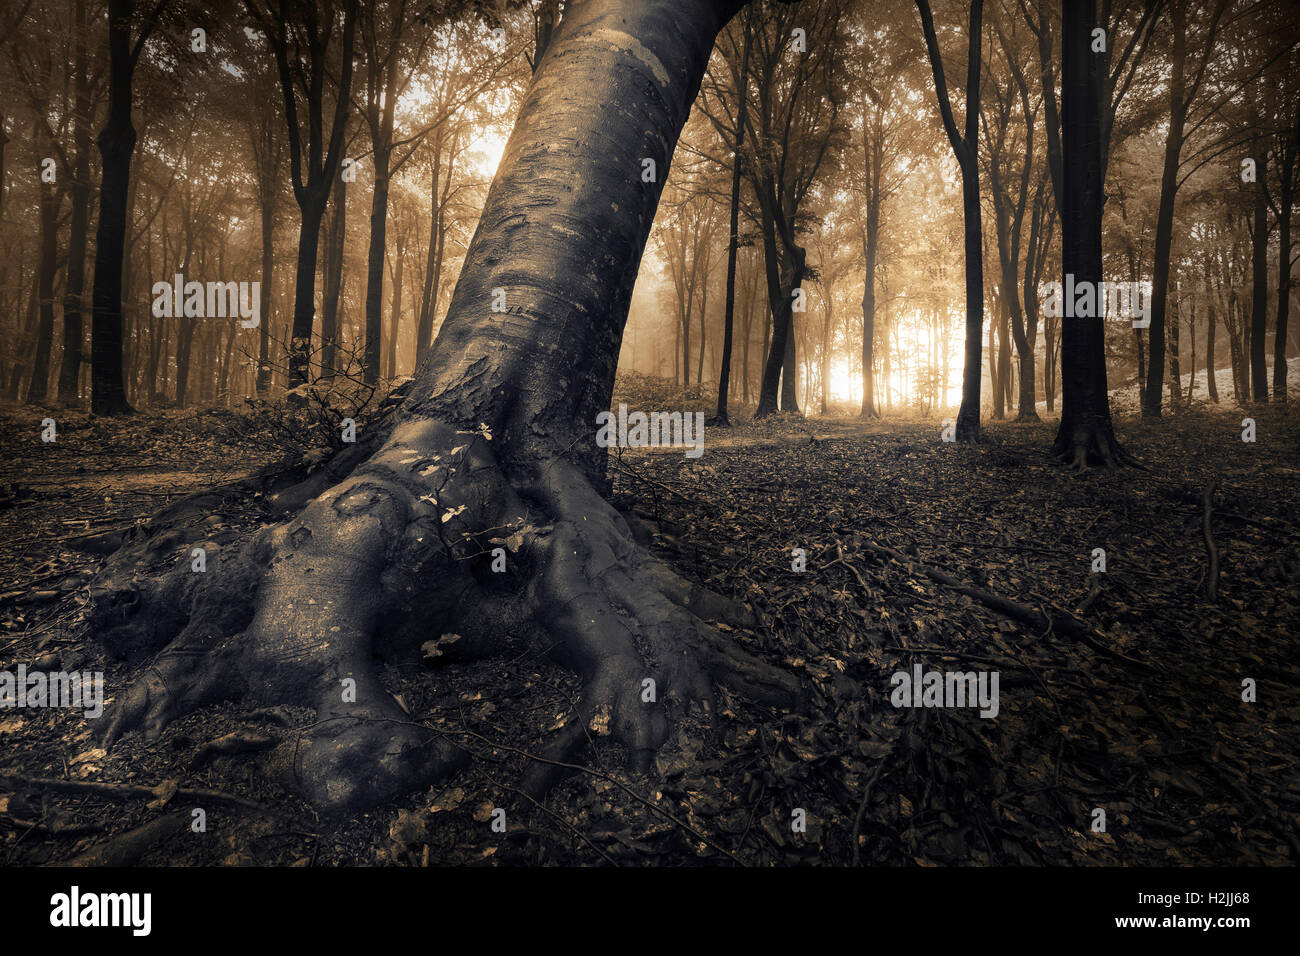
x=842, y=155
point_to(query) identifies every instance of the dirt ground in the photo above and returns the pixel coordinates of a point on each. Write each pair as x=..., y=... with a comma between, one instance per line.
x=1142, y=716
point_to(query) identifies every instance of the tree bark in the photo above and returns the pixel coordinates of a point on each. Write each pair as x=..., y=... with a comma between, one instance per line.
x=116, y=144
x=497, y=432
x=733, y=238
x=1086, y=435
x=1259, y=281
x=965, y=148
x=48, y=206
x=395, y=322
x=1165, y=212
x=335, y=242
x=75, y=279
x=1211, y=377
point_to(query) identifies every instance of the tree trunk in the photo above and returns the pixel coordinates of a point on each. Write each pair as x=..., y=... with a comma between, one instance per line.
x=394, y=325
x=563, y=230
x=335, y=241
x=1086, y=434
x=870, y=247
x=75, y=279
x=790, y=372
x=433, y=257
x=1259, y=281
x=733, y=238
x=116, y=144
x=46, y=268
x=375, y=270
x=1174, y=357
x=304, y=297
x=783, y=277
x=1165, y=213
x=263, y=385
x=968, y=415
x=1283, y=283
x=1211, y=377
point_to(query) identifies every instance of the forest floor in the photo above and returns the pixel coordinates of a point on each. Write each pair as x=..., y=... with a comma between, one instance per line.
x=1162, y=741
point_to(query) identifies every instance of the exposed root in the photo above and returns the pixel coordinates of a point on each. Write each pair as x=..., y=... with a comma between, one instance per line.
x=399, y=547
x=1091, y=444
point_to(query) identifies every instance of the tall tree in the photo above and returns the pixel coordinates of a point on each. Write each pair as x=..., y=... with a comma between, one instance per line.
x=740, y=79
x=794, y=127
x=301, y=36
x=1009, y=207
x=116, y=144
x=965, y=147
x=1086, y=434
x=1287, y=151
x=1182, y=94
x=1259, y=270
x=74, y=286
x=614, y=86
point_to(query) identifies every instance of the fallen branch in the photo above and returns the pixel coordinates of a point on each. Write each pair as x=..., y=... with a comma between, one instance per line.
x=127, y=848
x=862, y=807
x=654, y=807
x=123, y=791
x=1212, y=579
x=1058, y=620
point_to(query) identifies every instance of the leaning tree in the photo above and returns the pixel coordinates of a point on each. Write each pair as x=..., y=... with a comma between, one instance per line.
x=494, y=441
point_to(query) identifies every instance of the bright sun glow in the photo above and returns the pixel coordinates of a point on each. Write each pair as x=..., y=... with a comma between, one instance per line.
x=913, y=353
x=487, y=152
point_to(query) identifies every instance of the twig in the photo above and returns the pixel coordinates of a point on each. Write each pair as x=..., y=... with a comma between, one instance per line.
x=122, y=791
x=1212, y=579
x=604, y=776
x=862, y=808
x=1060, y=621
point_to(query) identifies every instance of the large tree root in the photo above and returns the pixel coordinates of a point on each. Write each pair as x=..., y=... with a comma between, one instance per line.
x=400, y=549
x=1088, y=442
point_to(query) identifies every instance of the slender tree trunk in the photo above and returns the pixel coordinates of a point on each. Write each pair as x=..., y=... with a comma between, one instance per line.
x=1165, y=212
x=335, y=241
x=1259, y=280
x=1283, y=287
x=1086, y=433
x=116, y=144
x=790, y=372
x=375, y=268
x=870, y=246
x=1174, y=357
x=38, y=389
x=733, y=237
x=704, y=323
x=263, y=384
x=75, y=278
x=1211, y=377
x=433, y=257
x=1142, y=366
x=780, y=289
x=394, y=325
x=968, y=415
